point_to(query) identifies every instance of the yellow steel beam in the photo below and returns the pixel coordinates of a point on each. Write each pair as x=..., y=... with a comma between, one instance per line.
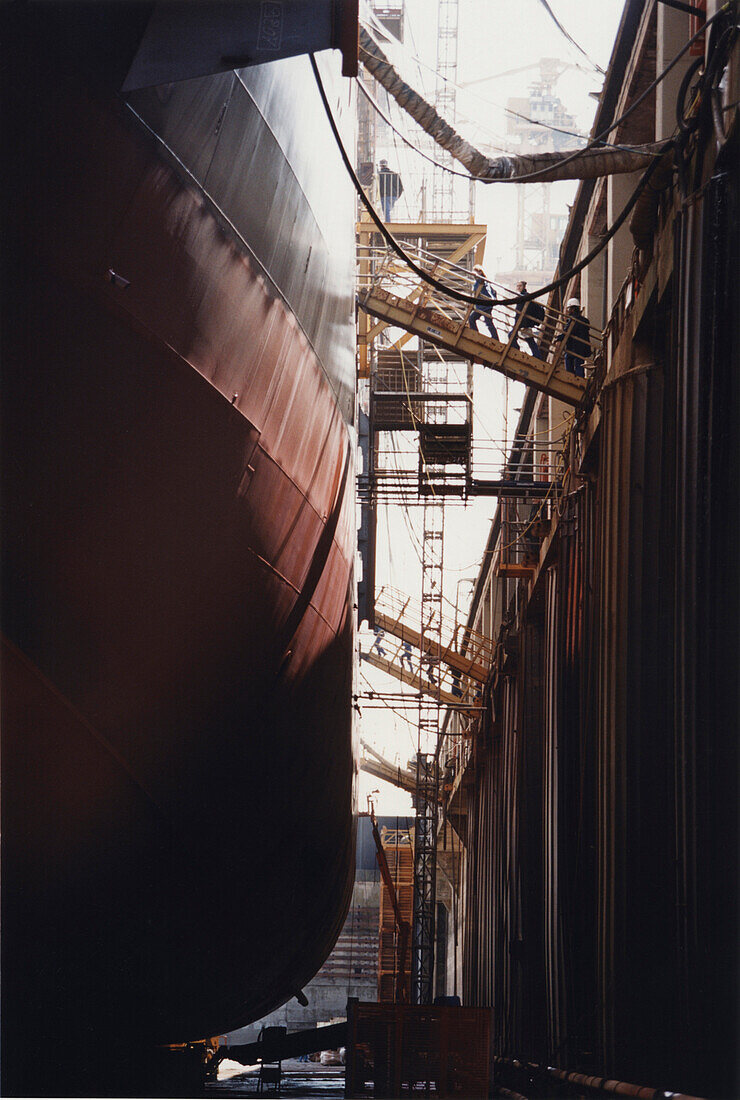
x=475, y=670
x=446, y=698
x=458, y=336
x=429, y=229
x=472, y=241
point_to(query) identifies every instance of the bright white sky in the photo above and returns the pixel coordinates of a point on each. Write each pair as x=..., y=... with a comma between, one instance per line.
x=494, y=36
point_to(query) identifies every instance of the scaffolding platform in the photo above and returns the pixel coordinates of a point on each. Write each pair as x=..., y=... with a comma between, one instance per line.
x=455, y=334
x=463, y=650
x=423, y=685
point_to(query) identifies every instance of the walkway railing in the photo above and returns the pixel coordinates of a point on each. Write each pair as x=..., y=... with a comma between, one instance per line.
x=391, y=292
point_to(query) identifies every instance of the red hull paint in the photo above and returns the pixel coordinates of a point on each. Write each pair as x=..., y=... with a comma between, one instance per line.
x=178, y=586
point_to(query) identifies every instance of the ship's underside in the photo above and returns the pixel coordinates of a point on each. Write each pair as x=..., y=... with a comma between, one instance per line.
x=177, y=607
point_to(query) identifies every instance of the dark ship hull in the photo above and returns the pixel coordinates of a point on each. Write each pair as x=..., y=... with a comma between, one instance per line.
x=178, y=535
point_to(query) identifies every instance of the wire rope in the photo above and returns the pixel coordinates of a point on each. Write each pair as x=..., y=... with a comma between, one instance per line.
x=598, y=139
x=569, y=36
x=449, y=291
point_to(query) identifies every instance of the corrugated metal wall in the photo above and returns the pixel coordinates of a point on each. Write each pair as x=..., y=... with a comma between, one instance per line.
x=635, y=750
x=602, y=863
x=706, y=554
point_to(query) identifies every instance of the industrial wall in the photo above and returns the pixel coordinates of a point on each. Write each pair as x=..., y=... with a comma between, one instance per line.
x=601, y=876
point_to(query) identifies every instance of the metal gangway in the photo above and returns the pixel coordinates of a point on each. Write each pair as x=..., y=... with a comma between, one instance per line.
x=393, y=293
x=455, y=678
x=376, y=765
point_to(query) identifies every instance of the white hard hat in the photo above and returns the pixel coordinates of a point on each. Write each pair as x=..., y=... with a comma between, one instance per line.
x=572, y=302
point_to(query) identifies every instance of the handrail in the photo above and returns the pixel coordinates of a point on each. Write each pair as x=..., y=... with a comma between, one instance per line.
x=401, y=281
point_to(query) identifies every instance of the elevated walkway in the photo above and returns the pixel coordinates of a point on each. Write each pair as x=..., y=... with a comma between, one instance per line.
x=463, y=650
x=449, y=666
x=443, y=689
x=376, y=765
x=397, y=298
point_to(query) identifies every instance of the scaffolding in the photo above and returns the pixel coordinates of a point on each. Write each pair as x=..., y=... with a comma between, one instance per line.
x=442, y=419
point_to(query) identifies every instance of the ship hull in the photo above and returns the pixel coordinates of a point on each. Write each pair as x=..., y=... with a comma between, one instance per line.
x=177, y=583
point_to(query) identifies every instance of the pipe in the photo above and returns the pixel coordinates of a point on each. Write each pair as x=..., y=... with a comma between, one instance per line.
x=587, y=163
x=287, y=1046
x=601, y=1084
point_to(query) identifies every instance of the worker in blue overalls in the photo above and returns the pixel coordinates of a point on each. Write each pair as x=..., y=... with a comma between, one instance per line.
x=483, y=289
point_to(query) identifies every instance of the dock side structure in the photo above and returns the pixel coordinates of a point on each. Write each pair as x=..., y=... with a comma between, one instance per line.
x=595, y=799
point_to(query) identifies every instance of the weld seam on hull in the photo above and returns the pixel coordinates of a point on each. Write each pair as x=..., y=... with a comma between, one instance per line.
x=221, y=216
x=53, y=690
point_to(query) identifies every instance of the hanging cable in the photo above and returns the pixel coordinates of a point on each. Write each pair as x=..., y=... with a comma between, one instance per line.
x=449, y=291
x=498, y=148
x=517, y=169
x=569, y=37
x=416, y=149
x=504, y=168
x=412, y=55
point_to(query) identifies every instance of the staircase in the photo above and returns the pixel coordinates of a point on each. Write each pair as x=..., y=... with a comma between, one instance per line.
x=398, y=299
x=455, y=678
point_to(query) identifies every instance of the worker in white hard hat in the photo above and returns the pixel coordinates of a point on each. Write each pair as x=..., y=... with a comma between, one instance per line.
x=578, y=343
x=533, y=315
x=483, y=289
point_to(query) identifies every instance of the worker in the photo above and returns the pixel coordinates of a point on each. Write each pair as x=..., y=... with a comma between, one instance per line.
x=378, y=643
x=483, y=289
x=390, y=188
x=406, y=656
x=578, y=342
x=533, y=315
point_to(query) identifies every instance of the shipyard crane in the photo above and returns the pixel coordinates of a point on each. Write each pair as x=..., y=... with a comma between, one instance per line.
x=551, y=69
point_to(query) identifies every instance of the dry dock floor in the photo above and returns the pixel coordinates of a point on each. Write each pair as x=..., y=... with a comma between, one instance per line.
x=307, y=1080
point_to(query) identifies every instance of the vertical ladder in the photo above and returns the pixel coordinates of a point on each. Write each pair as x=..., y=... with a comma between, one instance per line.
x=425, y=878
x=432, y=575
x=443, y=199
x=434, y=379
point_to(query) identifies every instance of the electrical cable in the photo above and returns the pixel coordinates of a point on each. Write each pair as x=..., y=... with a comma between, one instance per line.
x=561, y=461
x=500, y=170
x=598, y=139
x=372, y=24
x=458, y=295
x=416, y=149
x=498, y=148
x=685, y=124
x=569, y=37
